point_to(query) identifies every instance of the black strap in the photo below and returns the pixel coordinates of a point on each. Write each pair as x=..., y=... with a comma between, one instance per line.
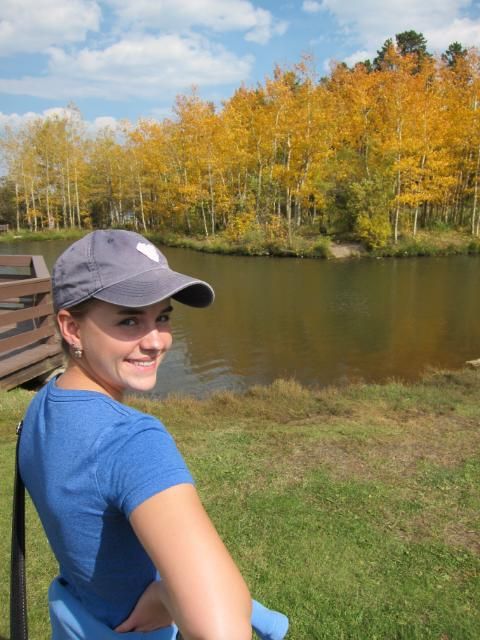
x=18, y=591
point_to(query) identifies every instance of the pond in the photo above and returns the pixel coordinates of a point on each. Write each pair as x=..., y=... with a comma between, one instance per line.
x=319, y=322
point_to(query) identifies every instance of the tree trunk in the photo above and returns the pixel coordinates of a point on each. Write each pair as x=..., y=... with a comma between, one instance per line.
x=26, y=197
x=397, y=209
x=77, y=200
x=475, y=193
x=64, y=202
x=69, y=197
x=259, y=193
x=212, y=199
x=415, y=218
x=142, y=210
x=51, y=222
x=289, y=215
x=204, y=219
x=17, y=205
x=35, y=228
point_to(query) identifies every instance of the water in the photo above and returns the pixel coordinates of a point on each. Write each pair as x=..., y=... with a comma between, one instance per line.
x=316, y=321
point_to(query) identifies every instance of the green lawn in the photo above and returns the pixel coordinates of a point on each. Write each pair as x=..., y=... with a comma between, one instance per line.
x=353, y=509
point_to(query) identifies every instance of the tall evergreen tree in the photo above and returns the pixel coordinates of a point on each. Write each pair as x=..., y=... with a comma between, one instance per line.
x=453, y=53
x=407, y=43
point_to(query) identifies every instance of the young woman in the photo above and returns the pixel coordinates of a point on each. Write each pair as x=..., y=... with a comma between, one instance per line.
x=114, y=495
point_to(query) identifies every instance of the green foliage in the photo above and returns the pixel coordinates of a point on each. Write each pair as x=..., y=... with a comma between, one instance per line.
x=7, y=201
x=407, y=43
x=454, y=52
x=474, y=247
x=374, y=230
x=23, y=235
x=411, y=42
x=253, y=242
x=370, y=201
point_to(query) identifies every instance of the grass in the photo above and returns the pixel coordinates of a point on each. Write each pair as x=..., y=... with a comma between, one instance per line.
x=253, y=243
x=308, y=244
x=54, y=234
x=432, y=243
x=353, y=509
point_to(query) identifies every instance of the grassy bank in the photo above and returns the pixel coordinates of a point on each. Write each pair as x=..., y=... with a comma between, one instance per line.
x=252, y=244
x=26, y=236
x=354, y=509
x=432, y=243
x=438, y=243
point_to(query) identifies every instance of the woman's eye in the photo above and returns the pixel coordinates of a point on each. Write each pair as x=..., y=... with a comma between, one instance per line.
x=164, y=318
x=129, y=322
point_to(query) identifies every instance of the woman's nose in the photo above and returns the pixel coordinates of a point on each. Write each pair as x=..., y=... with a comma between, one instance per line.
x=157, y=339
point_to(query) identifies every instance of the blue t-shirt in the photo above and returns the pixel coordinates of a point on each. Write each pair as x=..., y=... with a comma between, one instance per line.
x=87, y=461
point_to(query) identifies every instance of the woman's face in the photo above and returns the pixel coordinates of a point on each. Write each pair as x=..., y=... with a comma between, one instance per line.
x=123, y=347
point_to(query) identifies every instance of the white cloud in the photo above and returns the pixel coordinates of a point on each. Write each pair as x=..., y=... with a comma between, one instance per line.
x=17, y=120
x=359, y=56
x=29, y=26
x=136, y=67
x=310, y=6
x=462, y=30
x=218, y=15
x=369, y=23
x=265, y=28
x=104, y=122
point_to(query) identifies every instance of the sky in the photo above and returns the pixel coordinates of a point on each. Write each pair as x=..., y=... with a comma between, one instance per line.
x=128, y=59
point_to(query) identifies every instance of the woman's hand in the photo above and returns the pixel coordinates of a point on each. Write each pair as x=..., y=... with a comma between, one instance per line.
x=150, y=612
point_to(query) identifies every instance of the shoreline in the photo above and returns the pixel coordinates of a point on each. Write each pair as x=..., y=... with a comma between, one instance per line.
x=322, y=247
x=431, y=244
x=468, y=376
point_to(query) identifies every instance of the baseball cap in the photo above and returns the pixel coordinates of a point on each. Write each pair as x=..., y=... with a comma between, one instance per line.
x=123, y=268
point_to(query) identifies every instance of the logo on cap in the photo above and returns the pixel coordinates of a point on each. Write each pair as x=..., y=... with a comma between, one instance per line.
x=148, y=250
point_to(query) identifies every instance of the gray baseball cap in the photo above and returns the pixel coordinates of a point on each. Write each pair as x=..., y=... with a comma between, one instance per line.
x=123, y=268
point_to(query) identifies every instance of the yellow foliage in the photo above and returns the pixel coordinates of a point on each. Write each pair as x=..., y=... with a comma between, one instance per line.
x=274, y=154
x=275, y=228
x=240, y=224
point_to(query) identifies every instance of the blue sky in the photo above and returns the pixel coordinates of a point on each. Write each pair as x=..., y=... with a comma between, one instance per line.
x=128, y=59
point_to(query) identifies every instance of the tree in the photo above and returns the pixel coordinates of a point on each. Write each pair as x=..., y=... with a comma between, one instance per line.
x=407, y=43
x=379, y=60
x=453, y=53
x=7, y=200
x=411, y=42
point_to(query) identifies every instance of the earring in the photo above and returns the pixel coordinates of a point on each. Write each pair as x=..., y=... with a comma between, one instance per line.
x=77, y=351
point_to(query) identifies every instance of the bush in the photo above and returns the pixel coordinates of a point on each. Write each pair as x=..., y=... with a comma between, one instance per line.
x=373, y=230
x=370, y=202
x=474, y=247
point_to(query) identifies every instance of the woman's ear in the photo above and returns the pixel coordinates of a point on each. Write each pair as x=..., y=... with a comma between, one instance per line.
x=68, y=327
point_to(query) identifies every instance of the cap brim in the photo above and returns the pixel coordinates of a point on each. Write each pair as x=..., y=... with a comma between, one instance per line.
x=156, y=285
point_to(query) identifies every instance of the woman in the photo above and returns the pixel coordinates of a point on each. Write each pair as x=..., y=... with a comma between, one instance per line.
x=113, y=493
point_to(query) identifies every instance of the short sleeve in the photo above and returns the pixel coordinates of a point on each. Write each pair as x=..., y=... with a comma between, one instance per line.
x=136, y=461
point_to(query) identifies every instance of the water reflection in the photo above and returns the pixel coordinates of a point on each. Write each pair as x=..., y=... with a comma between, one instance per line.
x=316, y=321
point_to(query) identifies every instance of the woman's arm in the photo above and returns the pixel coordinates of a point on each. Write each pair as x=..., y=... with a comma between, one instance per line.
x=204, y=590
